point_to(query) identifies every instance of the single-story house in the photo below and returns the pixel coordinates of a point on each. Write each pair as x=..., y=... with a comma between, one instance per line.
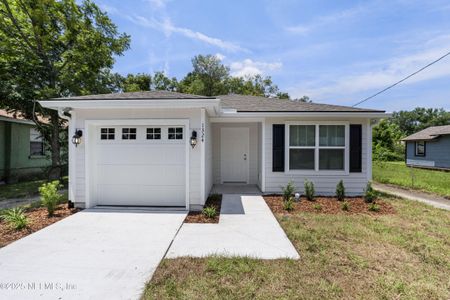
x=22, y=153
x=163, y=148
x=429, y=148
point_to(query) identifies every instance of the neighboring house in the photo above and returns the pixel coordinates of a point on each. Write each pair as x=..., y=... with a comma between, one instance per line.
x=429, y=148
x=168, y=149
x=22, y=153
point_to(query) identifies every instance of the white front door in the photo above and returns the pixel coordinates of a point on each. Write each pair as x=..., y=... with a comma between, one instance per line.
x=234, y=152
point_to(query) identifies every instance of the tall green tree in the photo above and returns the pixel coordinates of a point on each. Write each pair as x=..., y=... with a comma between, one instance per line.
x=51, y=49
x=420, y=118
x=136, y=83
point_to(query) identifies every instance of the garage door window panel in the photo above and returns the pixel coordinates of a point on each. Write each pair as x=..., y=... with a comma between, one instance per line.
x=153, y=133
x=107, y=133
x=175, y=133
x=128, y=133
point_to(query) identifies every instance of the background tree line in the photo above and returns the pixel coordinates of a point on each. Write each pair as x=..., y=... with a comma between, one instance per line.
x=387, y=134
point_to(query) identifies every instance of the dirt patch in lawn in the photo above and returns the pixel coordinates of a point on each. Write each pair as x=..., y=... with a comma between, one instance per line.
x=329, y=205
x=198, y=216
x=37, y=219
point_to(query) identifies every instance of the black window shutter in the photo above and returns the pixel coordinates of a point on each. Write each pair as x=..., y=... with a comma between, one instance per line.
x=278, y=148
x=355, y=148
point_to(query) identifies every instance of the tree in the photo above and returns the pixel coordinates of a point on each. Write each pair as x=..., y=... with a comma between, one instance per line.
x=51, y=49
x=161, y=82
x=420, y=118
x=386, y=138
x=302, y=99
x=136, y=83
x=207, y=78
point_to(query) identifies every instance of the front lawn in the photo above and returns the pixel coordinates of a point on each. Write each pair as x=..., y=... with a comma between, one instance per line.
x=343, y=255
x=398, y=173
x=23, y=189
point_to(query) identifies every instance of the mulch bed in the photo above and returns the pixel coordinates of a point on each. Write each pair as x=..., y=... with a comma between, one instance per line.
x=329, y=205
x=37, y=219
x=199, y=217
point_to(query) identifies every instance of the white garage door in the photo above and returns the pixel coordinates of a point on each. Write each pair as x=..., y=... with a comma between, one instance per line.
x=140, y=166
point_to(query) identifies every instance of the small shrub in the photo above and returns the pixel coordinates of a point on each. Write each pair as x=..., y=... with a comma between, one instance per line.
x=309, y=190
x=210, y=212
x=289, y=204
x=345, y=206
x=50, y=197
x=374, y=207
x=15, y=217
x=288, y=190
x=369, y=193
x=317, y=207
x=340, y=191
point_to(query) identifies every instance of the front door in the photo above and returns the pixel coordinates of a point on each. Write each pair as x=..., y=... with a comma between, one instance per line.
x=234, y=146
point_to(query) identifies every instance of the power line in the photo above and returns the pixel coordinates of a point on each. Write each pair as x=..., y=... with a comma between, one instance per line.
x=398, y=82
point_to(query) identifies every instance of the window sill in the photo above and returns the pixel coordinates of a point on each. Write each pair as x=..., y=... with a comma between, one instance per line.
x=37, y=156
x=316, y=173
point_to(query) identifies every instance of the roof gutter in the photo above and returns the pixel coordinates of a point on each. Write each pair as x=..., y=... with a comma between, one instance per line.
x=135, y=103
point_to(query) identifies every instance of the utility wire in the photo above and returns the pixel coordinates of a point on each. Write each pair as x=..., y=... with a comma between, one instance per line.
x=398, y=82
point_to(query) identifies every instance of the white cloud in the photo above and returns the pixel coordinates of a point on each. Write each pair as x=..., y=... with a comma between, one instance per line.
x=168, y=28
x=158, y=3
x=248, y=67
x=304, y=29
x=384, y=73
x=220, y=56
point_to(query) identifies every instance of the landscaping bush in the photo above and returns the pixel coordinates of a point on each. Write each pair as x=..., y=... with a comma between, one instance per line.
x=50, y=196
x=15, y=217
x=210, y=212
x=288, y=190
x=289, y=204
x=345, y=206
x=374, y=207
x=340, y=191
x=369, y=193
x=309, y=190
x=317, y=207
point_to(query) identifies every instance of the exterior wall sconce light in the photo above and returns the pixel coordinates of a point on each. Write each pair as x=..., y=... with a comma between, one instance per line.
x=194, y=139
x=76, y=139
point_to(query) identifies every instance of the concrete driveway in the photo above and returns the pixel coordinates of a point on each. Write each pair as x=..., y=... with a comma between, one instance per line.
x=94, y=254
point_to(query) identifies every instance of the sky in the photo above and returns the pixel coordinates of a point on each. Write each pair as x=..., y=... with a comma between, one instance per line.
x=336, y=52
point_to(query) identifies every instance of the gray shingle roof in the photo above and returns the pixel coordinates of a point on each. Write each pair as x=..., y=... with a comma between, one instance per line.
x=243, y=103
x=429, y=133
x=147, y=95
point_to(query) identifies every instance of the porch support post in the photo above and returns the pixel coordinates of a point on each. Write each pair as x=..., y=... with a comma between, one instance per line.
x=263, y=156
x=202, y=154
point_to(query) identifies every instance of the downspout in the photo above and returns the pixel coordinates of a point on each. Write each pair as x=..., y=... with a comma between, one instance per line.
x=62, y=114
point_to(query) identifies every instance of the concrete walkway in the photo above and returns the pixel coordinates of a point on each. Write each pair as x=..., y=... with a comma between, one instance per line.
x=247, y=227
x=433, y=200
x=94, y=254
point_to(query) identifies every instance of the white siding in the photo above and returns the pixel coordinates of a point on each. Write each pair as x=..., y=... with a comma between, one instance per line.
x=112, y=114
x=253, y=153
x=324, y=184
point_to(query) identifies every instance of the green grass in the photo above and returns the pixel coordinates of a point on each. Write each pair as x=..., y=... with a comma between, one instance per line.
x=400, y=256
x=22, y=189
x=425, y=180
